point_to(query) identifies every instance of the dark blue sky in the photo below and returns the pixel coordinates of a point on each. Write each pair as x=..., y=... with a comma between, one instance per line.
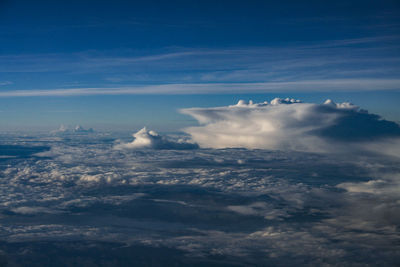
x=75, y=26
x=93, y=54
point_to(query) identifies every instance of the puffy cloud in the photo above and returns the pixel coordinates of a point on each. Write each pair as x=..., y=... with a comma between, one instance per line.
x=150, y=139
x=259, y=209
x=291, y=124
x=78, y=129
x=31, y=210
x=373, y=203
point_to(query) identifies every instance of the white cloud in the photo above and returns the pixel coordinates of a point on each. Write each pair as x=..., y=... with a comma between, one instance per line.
x=32, y=210
x=314, y=85
x=5, y=83
x=259, y=209
x=291, y=124
x=150, y=139
x=78, y=129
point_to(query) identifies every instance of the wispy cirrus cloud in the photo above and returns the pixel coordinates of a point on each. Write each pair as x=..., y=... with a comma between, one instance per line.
x=369, y=63
x=345, y=85
x=5, y=83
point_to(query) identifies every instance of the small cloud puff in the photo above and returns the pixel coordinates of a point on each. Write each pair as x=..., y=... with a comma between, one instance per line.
x=290, y=124
x=77, y=129
x=150, y=139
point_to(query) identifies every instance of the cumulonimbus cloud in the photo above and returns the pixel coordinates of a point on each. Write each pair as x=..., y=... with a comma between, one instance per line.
x=150, y=139
x=292, y=124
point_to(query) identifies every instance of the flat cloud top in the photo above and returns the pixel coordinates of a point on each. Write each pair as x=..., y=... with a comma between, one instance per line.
x=290, y=124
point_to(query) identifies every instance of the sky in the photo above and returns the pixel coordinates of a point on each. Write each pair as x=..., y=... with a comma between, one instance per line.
x=205, y=137
x=123, y=65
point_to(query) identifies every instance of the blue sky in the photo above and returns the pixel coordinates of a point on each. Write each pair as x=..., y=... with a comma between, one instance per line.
x=125, y=64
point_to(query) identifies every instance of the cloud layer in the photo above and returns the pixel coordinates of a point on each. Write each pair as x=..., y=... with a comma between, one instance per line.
x=291, y=124
x=254, y=207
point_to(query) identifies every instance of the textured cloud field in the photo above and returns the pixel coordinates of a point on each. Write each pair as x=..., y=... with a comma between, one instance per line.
x=87, y=198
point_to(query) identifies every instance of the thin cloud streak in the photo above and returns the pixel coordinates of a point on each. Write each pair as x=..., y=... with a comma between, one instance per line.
x=346, y=85
x=326, y=53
